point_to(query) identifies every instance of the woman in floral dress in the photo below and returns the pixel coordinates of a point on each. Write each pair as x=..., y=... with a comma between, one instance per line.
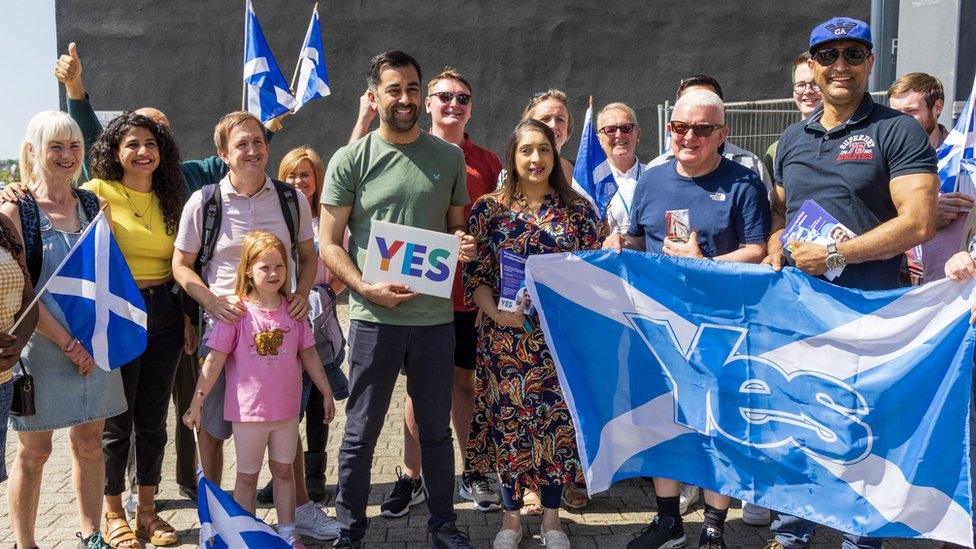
x=522, y=428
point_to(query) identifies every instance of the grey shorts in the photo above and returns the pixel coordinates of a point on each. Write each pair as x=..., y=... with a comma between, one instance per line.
x=212, y=412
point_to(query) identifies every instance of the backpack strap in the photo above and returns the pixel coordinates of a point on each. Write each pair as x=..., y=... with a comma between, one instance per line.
x=288, y=199
x=211, y=224
x=89, y=203
x=30, y=223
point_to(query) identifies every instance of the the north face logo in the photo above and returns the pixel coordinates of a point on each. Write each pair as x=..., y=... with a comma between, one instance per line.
x=856, y=147
x=841, y=28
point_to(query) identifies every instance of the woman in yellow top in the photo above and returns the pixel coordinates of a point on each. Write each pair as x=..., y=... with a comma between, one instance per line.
x=136, y=165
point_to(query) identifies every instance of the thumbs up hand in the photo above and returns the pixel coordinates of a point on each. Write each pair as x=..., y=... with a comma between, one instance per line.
x=68, y=71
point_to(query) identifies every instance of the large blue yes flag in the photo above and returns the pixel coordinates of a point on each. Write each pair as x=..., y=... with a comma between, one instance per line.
x=592, y=176
x=100, y=301
x=264, y=86
x=848, y=408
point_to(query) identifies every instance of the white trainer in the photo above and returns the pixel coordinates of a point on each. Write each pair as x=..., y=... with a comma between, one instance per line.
x=687, y=497
x=312, y=521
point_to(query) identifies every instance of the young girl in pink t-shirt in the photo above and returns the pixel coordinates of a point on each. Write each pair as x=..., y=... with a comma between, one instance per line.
x=264, y=353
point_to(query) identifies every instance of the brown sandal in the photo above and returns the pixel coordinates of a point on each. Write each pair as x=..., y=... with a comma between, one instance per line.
x=117, y=533
x=158, y=532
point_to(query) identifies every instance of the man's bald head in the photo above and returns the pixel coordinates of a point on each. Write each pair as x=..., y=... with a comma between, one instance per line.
x=156, y=115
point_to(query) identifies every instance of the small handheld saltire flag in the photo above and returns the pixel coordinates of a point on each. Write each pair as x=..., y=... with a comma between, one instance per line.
x=225, y=524
x=265, y=88
x=958, y=147
x=845, y=407
x=313, y=80
x=100, y=301
x=592, y=176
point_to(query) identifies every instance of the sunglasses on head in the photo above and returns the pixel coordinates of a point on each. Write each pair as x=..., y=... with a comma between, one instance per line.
x=447, y=97
x=623, y=128
x=700, y=130
x=853, y=56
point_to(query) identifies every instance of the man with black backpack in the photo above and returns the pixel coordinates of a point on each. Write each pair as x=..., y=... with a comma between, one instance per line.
x=208, y=247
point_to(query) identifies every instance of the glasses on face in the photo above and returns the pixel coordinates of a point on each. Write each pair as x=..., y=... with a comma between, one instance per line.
x=801, y=88
x=622, y=128
x=700, y=130
x=852, y=55
x=447, y=97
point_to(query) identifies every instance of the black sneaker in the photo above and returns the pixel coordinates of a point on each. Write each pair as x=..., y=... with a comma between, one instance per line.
x=447, y=536
x=406, y=493
x=347, y=543
x=710, y=538
x=661, y=533
x=477, y=488
x=266, y=494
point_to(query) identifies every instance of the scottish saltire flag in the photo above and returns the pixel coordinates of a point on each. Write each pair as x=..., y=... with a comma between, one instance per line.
x=592, y=176
x=958, y=147
x=100, y=301
x=845, y=407
x=225, y=524
x=265, y=88
x=313, y=80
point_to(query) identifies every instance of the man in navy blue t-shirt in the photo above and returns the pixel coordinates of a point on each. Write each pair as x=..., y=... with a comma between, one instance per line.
x=728, y=214
x=870, y=167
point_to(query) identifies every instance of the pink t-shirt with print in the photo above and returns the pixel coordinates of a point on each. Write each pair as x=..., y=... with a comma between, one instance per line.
x=264, y=374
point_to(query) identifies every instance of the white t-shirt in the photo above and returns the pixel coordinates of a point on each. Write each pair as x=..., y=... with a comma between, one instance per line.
x=618, y=212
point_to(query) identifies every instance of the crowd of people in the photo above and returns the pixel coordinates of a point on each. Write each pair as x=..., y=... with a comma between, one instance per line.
x=239, y=273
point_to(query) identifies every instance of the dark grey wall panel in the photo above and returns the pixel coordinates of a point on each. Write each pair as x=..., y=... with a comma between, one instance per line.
x=184, y=56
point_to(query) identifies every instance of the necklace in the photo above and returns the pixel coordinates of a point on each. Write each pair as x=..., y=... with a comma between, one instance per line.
x=143, y=219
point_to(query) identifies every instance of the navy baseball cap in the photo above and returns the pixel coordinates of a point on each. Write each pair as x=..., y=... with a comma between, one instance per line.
x=840, y=28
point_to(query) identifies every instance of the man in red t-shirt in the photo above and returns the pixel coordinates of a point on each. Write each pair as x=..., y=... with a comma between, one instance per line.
x=449, y=102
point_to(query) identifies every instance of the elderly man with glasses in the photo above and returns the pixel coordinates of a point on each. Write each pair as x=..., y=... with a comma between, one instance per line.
x=619, y=136
x=873, y=169
x=724, y=208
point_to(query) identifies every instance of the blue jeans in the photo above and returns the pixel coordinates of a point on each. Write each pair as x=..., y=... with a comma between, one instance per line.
x=6, y=395
x=797, y=533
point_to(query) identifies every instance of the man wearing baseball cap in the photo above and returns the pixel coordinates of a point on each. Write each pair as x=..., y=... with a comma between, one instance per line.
x=870, y=167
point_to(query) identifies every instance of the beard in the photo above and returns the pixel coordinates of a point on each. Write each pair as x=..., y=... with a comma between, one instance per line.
x=389, y=118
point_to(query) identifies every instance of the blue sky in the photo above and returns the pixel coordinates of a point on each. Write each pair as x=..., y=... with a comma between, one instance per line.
x=27, y=53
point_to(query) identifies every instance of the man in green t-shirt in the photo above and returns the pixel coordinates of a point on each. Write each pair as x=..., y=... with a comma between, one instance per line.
x=403, y=175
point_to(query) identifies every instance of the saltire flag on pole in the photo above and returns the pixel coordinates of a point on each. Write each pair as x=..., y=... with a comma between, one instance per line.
x=313, y=79
x=844, y=407
x=592, y=176
x=958, y=148
x=100, y=301
x=265, y=88
x=225, y=524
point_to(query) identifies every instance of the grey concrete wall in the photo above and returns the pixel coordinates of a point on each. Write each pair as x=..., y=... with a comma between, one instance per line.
x=184, y=56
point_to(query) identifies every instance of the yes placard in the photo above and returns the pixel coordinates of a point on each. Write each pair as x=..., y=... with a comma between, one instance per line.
x=423, y=260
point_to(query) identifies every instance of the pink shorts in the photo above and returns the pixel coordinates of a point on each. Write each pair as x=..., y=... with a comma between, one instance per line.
x=251, y=438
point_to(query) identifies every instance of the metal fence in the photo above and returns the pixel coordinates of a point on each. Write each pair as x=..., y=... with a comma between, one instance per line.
x=755, y=125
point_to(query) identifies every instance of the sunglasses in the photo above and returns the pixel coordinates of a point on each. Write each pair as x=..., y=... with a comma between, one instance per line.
x=700, y=130
x=852, y=55
x=447, y=97
x=801, y=87
x=623, y=128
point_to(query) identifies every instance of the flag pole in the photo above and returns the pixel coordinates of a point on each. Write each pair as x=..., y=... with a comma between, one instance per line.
x=39, y=293
x=196, y=443
x=308, y=33
x=591, y=101
x=244, y=82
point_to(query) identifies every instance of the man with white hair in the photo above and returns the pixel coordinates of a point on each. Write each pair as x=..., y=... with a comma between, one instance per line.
x=727, y=214
x=619, y=135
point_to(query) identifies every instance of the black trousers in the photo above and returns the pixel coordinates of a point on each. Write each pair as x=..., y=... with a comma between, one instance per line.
x=377, y=354
x=148, y=383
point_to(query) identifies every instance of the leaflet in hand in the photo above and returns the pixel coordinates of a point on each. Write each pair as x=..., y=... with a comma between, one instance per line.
x=512, y=281
x=814, y=224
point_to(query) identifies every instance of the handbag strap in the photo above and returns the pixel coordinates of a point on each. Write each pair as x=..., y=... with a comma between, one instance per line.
x=23, y=367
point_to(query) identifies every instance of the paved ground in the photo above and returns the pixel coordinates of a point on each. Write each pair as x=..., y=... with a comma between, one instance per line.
x=610, y=520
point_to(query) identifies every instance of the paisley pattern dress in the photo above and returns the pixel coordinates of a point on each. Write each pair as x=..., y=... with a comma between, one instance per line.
x=521, y=427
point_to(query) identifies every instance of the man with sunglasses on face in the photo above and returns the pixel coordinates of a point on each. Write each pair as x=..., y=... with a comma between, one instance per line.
x=873, y=169
x=728, y=214
x=619, y=136
x=727, y=149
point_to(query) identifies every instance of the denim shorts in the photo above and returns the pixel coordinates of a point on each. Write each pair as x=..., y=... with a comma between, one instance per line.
x=307, y=386
x=6, y=395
